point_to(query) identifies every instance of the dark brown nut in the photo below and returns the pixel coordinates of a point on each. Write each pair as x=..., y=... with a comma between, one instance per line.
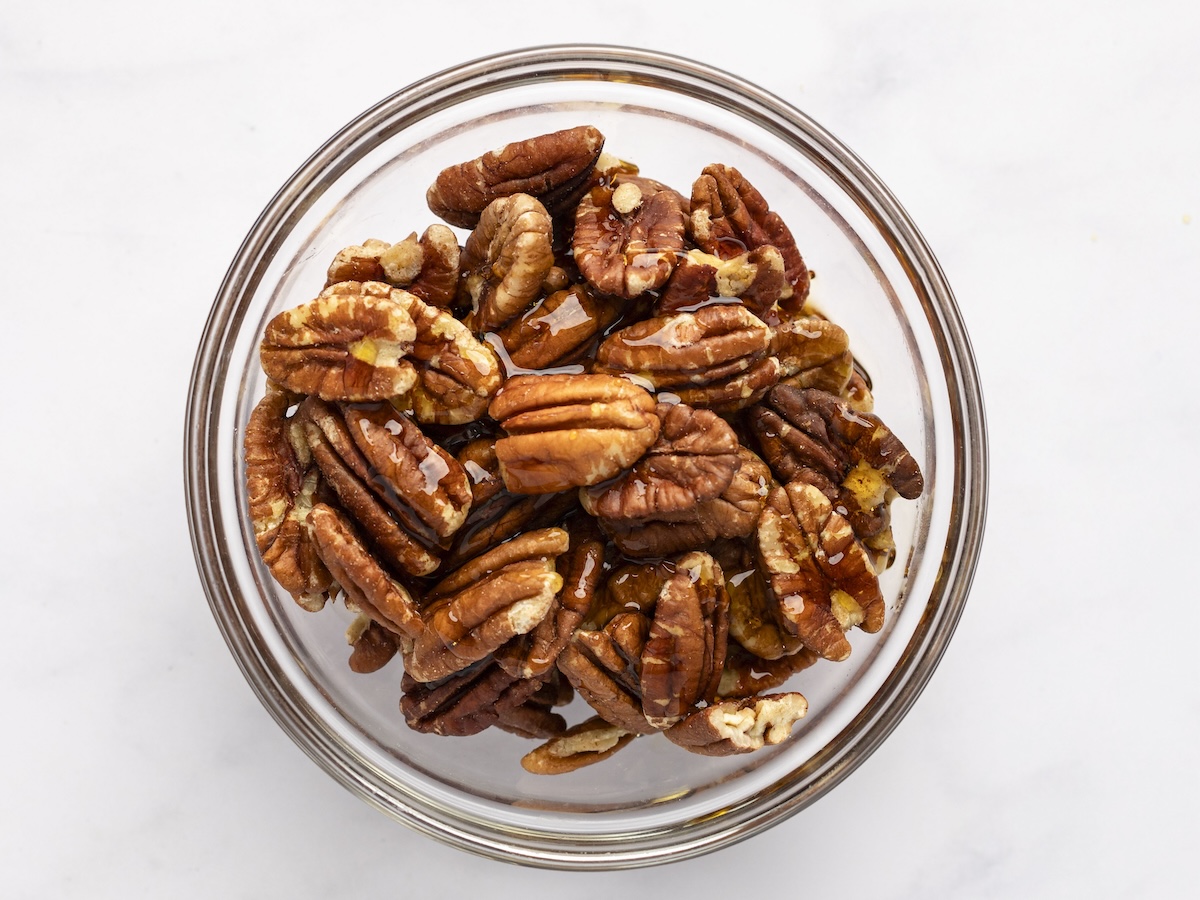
x=746, y=675
x=556, y=329
x=685, y=647
x=492, y=599
x=374, y=646
x=436, y=281
x=464, y=703
x=715, y=357
x=533, y=655
x=752, y=619
x=730, y=216
x=368, y=587
x=755, y=277
x=732, y=515
x=505, y=261
x=531, y=720
x=348, y=344
x=552, y=167
x=604, y=667
x=813, y=353
x=739, y=726
x=389, y=523
x=457, y=374
x=626, y=239
x=281, y=486
x=591, y=741
x=693, y=461
x=632, y=587
x=566, y=431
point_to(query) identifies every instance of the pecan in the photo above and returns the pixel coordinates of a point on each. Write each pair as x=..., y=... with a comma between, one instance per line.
x=485, y=603
x=457, y=375
x=348, y=344
x=754, y=277
x=568, y=431
x=632, y=587
x=591, y=741
x=605, y=667
x=813, y=353
x=368, y=587
x=552, y=167
x=685, y=647
x=693, y=461
x=730, y=216
x=581, y=567
x=374, y=646
x=465, y=702
x=626, y=239
x=392, y=526
x=427, y=268
x=531, y=720
x=714, y=357
x=739, y=726
x=752, y=620
x=281, y=486
x=819, y=575
x=746, y=674
x=557, y=328
x=505, y=260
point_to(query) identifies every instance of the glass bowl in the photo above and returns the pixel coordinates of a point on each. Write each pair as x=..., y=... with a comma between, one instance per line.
x=653, y=802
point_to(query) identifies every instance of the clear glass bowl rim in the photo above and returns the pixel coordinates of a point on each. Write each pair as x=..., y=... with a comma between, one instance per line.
x=437, y=92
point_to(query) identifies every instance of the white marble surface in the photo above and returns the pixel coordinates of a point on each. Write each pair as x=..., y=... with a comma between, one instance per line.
x=1048, y=150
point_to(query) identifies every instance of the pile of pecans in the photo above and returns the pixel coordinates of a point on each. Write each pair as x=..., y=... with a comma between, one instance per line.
x=602, y=449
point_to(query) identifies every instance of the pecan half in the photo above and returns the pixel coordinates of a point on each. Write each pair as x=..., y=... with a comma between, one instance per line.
x=591, y=741
x=505, y=261
x=714, y=357
x=605, y=667
x=557, y=328
x=487, y=602
x=627, y=238
x=730, y=216
x=685, y=647
x=552, y=167
x=281, y=487
x=813, y=353
x=693, y=461
x=739, y=726
x=374, y=646
x=567, y=431
x=752, y=619
x=348, y=344
x=465, y=702
x=746, y=675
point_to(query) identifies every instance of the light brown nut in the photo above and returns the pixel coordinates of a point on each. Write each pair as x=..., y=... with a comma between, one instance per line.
x=746, y=675
x=626, y=239
x=693, y=461
x=557, y=328
x=591, y=741
x=685, y=647
x=533, y=655
x=604, y=668
x=280, y=487
x=857, y=393
x=436, y=281
x=371, y=589
x=553, y=167
x=490, y=600
x=752, y=619
x=714, y=357
x=813, y=353
x=566, y=431
x=465, y=702
x=730, y=216
x=505, y=260
x=740, y=726
x=457, y=374
x=348, y=344
x=390, y=525
x=374, y=646
x=755, y=277
x=376, y=260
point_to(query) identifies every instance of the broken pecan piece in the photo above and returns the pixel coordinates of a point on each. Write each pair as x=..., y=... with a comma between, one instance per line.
x=567, y=431
x=465, y=702
x=505, y=261
x=487, y=602
x=348, y=344
x=552, y=167
x=605, y=666
x=627, y=238
x=755, y=277
x=746, y=675
x=739, y=726
x=730, y=216
x=374, y=646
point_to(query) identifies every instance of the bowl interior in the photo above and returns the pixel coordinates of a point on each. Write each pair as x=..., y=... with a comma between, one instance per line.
x=870, y=277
